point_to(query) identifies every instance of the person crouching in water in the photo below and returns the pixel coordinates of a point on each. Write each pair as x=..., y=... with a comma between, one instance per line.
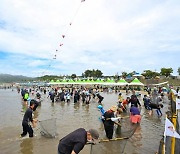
x=157, y=107
x=27, y=119
x=108, y=123
x=135, y=116
x=74, y=142
x=124, y=104
x=100, y=98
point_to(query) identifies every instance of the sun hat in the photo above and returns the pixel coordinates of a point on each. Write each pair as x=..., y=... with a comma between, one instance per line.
x=113, y=108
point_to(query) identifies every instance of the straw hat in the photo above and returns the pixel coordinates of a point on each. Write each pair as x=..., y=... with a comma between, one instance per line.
x=113, y=108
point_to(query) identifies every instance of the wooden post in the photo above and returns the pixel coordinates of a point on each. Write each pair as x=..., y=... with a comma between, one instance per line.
x=173, y=140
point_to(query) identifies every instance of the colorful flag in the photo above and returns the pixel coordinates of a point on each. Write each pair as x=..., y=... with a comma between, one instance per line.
x=177, y=103
x=170, y=130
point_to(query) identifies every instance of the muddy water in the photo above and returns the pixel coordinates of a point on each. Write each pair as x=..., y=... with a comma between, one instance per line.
x=68, y=118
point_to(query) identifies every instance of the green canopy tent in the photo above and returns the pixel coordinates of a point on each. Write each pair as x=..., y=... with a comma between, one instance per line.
x=122, y=82
x=64, y=82
x=71, y=81
x=57, y=81
x=99, y=81
x=109, y=82
x=136, y=82
x=78, y=81
x=52, y=82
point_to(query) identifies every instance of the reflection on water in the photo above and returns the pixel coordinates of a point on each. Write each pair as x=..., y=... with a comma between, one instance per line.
x=69, y=117
x=26, y=146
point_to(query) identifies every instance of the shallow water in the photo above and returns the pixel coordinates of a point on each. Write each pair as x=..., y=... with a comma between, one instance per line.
x=68, y=118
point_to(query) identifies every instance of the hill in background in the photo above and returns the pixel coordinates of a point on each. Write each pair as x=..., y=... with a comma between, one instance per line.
x=7, y=78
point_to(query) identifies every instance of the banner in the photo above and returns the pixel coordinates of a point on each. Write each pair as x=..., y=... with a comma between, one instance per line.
x=170, y=130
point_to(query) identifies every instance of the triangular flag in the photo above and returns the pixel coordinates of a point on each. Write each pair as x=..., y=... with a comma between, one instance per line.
x=170, y=130
x=177, y=103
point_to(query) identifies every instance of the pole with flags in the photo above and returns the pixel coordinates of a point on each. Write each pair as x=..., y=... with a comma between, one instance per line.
x=170, y=131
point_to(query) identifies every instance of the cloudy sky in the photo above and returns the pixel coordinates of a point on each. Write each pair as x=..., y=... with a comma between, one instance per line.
x=110, y=35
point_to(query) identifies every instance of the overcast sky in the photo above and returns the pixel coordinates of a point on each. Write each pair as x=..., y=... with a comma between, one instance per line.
x=110, y=35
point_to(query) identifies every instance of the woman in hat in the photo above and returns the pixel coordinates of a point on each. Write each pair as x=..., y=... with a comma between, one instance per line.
x=108, y=123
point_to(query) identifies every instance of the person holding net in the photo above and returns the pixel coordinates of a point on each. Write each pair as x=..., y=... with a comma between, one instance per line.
x=74, y=142
x=27, y=119
x=109, y=121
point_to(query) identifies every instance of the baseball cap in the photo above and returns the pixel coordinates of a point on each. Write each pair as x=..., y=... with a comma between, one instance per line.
x=94, y=133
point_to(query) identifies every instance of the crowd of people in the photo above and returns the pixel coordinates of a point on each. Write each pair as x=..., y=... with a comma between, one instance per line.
x=75, y=141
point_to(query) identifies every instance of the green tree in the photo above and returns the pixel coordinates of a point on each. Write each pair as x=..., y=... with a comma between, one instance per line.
x=98, y=74
x=73, y=76
x=83, y=75
x=166, y=71
x=93, y=73
x=116, y=77
x=178, y=71
x=124, y=74
x=88, y=73
x=148, y=74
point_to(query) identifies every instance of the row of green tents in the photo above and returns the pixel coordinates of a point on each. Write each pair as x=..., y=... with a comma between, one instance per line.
x=121, y=82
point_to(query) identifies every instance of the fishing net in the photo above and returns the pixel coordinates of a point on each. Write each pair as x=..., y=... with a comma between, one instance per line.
x=114, y=147
x=127, y=128
x=118, y=143
x=48, y=128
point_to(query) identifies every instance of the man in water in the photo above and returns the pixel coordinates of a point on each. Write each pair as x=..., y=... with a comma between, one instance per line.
x=27, y=119
x=134, y=100
x=157, y=107
x=74, y=142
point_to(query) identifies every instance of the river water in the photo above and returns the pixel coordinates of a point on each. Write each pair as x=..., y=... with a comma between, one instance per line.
x=69, y=117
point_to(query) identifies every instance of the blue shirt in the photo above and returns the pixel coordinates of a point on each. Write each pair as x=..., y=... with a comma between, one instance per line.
x=134, y=110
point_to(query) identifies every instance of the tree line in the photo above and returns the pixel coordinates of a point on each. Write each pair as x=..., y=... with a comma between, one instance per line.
x=148, y=74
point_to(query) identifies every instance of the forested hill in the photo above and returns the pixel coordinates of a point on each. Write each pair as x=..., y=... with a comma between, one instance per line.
x=7, y=78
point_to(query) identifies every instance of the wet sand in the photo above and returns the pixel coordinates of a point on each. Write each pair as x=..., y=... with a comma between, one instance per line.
x=68, y=118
